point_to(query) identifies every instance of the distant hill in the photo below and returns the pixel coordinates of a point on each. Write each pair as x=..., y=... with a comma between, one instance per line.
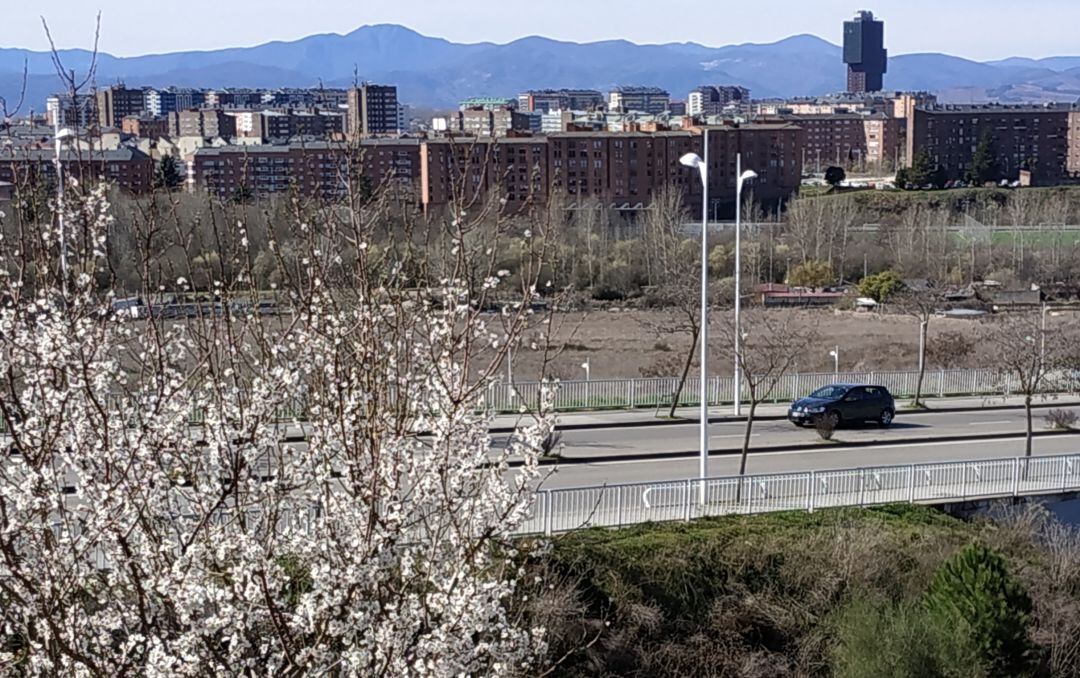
x=435, y=72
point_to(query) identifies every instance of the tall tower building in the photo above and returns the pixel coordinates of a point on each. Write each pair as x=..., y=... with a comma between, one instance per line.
x=373, y=111
x=865, y=54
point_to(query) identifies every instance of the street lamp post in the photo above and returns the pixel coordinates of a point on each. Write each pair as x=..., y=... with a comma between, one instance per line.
x=588, y=382
x=743, y=177
x=59, y=136
x=695, y=161
x=835, y=355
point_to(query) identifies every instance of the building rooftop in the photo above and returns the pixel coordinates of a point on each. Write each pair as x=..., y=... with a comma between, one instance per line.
x=866, y=115
x=485, y=101
x=563, y=91
x=47, y=154
x=998, y=108
x=638, y=89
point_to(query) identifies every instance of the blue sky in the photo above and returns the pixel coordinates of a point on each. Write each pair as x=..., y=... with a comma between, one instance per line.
x=977, y=29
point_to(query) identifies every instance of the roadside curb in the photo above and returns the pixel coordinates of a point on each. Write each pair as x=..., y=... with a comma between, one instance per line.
x=729, y=419
x=839, y=446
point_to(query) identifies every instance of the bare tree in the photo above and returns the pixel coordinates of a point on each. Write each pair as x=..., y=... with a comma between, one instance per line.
x=676, y=266
x=772, y=342
x=921, y=305
x=1028, y=355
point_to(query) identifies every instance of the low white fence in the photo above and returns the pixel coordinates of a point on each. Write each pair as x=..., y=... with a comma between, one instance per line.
x=658, y=392
x=565, y=510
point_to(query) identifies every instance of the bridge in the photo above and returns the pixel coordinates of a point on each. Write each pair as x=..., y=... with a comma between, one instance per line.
x=623, y=505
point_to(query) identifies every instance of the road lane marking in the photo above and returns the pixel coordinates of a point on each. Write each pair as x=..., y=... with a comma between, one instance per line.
x=993, y=423
x=786, y=453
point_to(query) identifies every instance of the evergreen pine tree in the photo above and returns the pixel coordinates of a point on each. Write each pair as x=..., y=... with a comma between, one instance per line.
x=166, y=175
x=984, y=163
x=974, y=592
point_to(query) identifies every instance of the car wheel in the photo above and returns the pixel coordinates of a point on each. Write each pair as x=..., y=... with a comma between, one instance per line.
x=885, y=419
x=835, y=418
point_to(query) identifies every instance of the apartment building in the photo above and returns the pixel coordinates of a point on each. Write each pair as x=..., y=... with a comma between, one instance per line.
x=620, y=170
x=127, y=168
x=851, y=140
x=323, y=169
x=145, y=127
x=205, y=123
x=1073, y=161
x=118, y=102
x=864, y=53
x=289, y=124
x=709, y=100
x=1032, y=138
x=373, y=111
x=547, y=100
x=292, y=97
x=468, y=170
x=774, y=150
x=259, y=170
x=160, y=102
x=68, y=111
x=487, y=103
x=651, y=100
x=492, y=122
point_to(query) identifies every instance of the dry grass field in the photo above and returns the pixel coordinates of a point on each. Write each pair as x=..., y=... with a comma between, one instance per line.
x=620, y=344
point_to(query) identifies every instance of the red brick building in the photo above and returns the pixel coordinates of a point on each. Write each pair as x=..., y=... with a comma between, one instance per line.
x=322, y=169
x=145, y=128
x=622, y=170
x=851, y=140
x=127, y=168
x=1039, y=139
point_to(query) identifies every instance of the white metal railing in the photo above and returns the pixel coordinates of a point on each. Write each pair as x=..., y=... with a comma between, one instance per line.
x=565, y=510
x=657, y=392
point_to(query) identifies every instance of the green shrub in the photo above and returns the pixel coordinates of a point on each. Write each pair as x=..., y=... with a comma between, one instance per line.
x=881, y=286
x=901, y=641
x=974, y=594
x=812, y=274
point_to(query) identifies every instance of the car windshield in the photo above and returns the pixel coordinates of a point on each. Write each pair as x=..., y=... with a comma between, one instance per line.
x=829, y=392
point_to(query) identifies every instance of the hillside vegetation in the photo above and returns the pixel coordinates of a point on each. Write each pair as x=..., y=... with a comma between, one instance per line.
x=897, y=591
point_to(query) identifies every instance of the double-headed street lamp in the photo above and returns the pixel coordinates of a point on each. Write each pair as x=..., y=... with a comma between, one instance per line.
x=743, y=178
x=694, y=161
x=59, y=137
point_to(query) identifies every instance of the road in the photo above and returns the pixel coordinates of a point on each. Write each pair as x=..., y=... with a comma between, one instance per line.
x=646, y=470
x=614, y=455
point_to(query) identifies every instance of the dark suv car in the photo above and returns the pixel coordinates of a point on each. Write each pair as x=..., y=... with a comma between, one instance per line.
x=845, y=403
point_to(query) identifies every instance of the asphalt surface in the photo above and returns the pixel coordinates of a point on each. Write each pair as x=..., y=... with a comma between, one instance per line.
x=608, y=443
x=663, y=452
x=822, y=458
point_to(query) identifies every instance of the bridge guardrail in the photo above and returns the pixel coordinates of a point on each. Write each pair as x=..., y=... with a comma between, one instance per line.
x=623, y=505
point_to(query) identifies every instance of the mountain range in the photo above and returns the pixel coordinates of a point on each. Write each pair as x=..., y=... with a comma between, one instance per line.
x=433, y=72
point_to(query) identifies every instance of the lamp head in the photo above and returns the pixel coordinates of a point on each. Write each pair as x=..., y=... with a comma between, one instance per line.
x=748, y=175
x=65, y=134
x=694, y=160
x=691, y=160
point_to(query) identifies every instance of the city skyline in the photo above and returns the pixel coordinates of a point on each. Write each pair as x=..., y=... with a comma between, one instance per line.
x=1013, y=31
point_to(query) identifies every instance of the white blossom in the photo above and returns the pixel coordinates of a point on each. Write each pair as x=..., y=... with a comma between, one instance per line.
x=154, y=523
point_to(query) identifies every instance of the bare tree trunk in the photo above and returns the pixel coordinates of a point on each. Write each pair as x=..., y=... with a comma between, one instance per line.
x=922, y=364
x=1027, y=411
x=685, y=372
x=746, y=436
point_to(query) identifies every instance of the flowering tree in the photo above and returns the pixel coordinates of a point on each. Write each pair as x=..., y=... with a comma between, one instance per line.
x=153, y=521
